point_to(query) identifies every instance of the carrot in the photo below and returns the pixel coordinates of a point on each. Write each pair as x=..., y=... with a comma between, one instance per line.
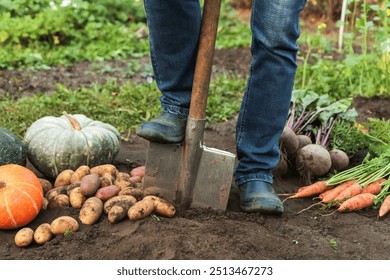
x=310, y=190
x=374, y=187
x=331, y=195
x=322, y=195
x=352, y=190
x=384, y=209
x=359, y=201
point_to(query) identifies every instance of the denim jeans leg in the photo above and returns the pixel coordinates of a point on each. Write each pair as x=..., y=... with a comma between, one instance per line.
x=264, y=109
x=174, y=27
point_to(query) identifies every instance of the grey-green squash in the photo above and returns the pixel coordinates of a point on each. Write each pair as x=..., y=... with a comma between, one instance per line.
x=55, y=144
x=12, y=149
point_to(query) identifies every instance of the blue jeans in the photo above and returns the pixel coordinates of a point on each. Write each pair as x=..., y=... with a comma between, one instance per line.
x=174, y=27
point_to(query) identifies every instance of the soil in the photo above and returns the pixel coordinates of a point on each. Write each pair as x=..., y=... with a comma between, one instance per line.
x=201, y=233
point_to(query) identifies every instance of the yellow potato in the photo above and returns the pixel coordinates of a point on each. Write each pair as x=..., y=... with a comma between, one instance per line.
x=43, y=233
x=56, y=191
x=112, y=201
x=76, y=198
x=136, y=192
x=63, y=179
x=46, y=185
x=104, y=168
x=61, y=200
x=123, y=176
x=123, y=184
x=63, y=224
x=79, y=173
x=141, y=209
x=91, y=211
x=119, y=211
x=24, y=237
x=72, y=187
x=45, y=203
x=161, y=206
x=107, y=180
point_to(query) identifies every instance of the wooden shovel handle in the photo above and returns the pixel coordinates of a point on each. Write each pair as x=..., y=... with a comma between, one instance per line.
x=204, y=60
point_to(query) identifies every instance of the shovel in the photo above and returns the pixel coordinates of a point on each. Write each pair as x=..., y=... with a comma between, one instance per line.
x=189, y=174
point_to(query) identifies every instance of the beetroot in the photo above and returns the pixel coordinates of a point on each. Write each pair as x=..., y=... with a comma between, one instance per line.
x=313, y=160
x=340, y=159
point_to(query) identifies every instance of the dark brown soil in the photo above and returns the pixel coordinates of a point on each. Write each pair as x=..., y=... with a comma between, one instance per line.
x=203, y=233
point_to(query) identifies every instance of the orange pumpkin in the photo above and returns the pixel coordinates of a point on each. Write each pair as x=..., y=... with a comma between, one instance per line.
x=21, y=196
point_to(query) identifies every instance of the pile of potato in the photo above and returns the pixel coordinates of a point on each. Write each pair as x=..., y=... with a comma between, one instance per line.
x=97, y=190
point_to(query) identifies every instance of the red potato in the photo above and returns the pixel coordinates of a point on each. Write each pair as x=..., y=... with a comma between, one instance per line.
x=90, y=184
x=138, y=171
x=135, y=179
x=106, y=193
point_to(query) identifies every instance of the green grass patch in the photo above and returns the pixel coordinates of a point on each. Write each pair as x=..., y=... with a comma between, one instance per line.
x=125, y=106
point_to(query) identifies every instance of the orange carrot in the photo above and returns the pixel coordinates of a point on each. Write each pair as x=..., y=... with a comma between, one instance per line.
x=374, y=187
x=384, y=209
x=359, y=201
x=336, y=191
x=352, y=190
x=322, y=195
x=310, y=190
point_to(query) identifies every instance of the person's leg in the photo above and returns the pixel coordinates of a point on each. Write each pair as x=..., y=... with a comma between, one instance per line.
x=174, y=27
x=275, y=30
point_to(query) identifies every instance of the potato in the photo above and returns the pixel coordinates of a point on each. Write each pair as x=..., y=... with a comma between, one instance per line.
x=107, y=180
x=106, y=193
x=161, y=206
x=112, y=201
x=46, y=185
x=141, y=209
x=138, y=171
x=76, y=198
x=56, y=191
x=123, y=176
x=45, y=203
x=91, y=211
x=123, y=184
x=90, y=184
x=24, y=237
x=104, y=168
x=61, y=200
x=135, y=179
x=79, y=173
x=119, y=211
x=72, y=187
x=43, y=233
x=63, y=179
x=63, y=224
x=136, y=192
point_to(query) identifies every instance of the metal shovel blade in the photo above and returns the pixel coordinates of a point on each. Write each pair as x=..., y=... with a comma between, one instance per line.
x=210, y=186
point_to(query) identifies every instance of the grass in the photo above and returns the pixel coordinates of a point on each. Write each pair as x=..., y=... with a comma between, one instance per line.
x=125, y=106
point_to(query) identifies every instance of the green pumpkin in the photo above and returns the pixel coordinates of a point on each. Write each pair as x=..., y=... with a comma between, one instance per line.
x=12, y=149
x=55, y=144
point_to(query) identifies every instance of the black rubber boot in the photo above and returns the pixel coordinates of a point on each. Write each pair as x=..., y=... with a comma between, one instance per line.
x=259, y=196
x=166, y=128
